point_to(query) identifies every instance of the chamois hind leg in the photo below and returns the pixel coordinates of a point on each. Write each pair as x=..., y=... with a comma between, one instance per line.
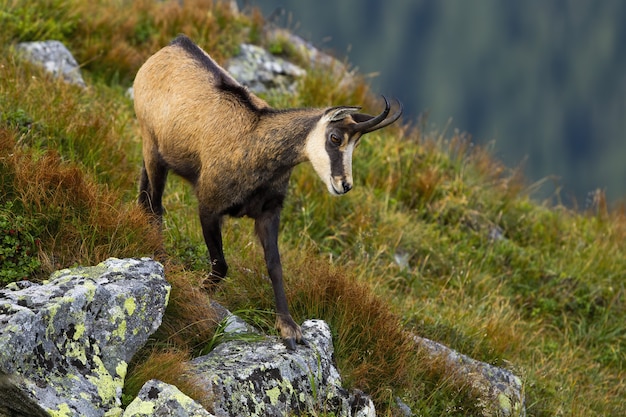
x=212, y=232
x=151, y=186
x=266, y=227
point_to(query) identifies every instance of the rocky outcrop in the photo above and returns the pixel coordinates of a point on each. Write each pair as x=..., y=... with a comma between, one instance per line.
x=313, y=55
x=65, y=344
x=498, y=392
x=55, y=58
x=266, y=379
x=262, y=72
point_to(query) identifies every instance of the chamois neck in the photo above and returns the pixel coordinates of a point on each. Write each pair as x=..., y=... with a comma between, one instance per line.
x=285, y=132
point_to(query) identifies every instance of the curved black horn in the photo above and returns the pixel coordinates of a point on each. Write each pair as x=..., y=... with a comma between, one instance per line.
x=389, y=121
x=369, y=125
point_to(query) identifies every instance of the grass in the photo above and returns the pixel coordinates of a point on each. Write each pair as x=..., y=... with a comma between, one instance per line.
x=437, y=238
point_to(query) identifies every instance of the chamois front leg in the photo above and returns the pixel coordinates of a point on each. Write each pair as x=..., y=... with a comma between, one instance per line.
x=266, y=227
x=212, y=232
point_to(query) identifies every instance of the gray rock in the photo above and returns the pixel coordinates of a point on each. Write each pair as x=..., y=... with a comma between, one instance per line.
x=55, y=58
x=500, y=393
x=232, y=325
x=157, y=398
x=266, y=379
x=66, y=343
x=262, y=72
x=316, y=58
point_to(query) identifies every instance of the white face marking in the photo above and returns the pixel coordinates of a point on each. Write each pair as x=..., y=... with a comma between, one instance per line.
x=316, y=153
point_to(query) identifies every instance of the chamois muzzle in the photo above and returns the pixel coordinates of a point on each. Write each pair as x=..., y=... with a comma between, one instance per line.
x=378, y=122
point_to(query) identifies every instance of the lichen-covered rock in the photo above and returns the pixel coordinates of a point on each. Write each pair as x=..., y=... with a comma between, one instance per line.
x=66, y=343
x=498, y=391
x=262, y=72
x=157, y=398
x=55, y=58
x=266, y=379
x=317, y=58
x=232, y=324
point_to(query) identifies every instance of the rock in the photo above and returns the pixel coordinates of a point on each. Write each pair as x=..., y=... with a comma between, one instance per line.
x=65, y=344
x=262, y=72
x=55, y=58
x=500, y=393
x=265, y=379
x=232, y=324
x=316, y=57
x=405, y=410
x=157, y=398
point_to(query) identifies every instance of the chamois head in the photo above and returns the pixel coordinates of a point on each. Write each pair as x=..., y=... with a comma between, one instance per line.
x=330, y=145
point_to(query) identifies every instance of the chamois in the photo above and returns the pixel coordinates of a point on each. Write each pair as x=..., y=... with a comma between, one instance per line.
x=237, y=151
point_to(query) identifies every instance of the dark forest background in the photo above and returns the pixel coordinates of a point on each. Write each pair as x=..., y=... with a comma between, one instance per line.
x=541, y=82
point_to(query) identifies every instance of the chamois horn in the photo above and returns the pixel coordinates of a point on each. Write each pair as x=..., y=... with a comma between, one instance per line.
x=371, y=123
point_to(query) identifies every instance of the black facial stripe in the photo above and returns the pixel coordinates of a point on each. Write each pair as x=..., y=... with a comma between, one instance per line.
x=336, y=160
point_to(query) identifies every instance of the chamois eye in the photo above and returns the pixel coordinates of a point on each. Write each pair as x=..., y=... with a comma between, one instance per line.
x=336, y=140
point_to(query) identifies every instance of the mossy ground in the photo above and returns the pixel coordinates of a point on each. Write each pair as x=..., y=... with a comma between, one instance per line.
x=437, y=237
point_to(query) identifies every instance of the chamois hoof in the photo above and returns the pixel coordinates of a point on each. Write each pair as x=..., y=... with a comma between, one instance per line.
x=290, y=343
x=211, y=282
x=289, y=331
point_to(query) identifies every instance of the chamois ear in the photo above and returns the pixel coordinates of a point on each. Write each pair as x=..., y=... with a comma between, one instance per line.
x=361, y=117
x=339, y=113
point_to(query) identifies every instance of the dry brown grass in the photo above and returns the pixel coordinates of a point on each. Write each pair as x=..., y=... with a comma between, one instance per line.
x=84, y=223
x=135, y=30
x=190, y=321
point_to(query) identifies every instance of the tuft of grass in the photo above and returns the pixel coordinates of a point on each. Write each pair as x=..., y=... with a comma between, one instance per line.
x=79, y=221
x=190, y=321
x=30, y=20
x=114, y=39
x=18, y=245
x=89, y=127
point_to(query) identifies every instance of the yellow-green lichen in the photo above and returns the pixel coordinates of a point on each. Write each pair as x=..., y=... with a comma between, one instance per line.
x=52, y=312
x=273, y=395
x=79, y=330
x=182, y=398
x=63, y=410
x=76, y=351
x=130, y=306
x=105, y=383
x=114, y=412
x=505, y=403
x=121, y=369
x=120, y=330
x=141, y=407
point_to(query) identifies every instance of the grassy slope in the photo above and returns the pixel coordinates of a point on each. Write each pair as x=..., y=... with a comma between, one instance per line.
x=544, y=298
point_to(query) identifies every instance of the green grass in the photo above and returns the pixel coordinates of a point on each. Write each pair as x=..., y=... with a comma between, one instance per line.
x=486, y=270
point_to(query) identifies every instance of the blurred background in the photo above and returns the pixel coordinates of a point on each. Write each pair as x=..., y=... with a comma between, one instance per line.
x=542, y=83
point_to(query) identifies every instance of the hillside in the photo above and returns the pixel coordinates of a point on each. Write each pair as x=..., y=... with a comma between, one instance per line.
x=437, y=237
x=541, y=82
